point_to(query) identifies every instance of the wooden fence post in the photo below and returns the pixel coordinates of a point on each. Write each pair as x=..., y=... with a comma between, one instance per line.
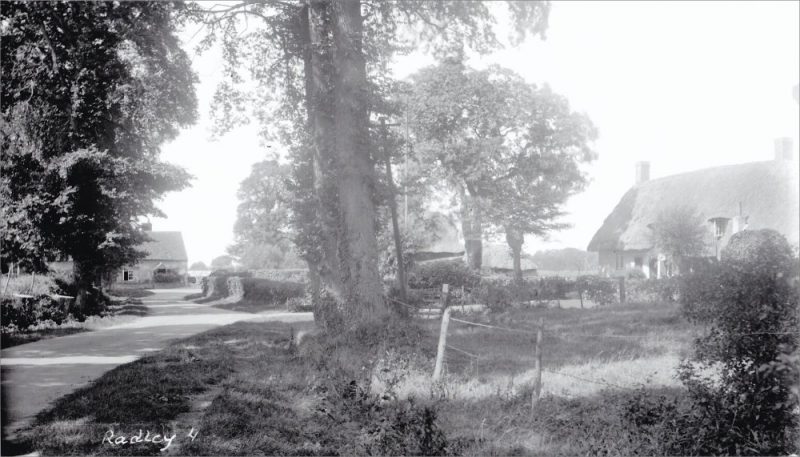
x=537, y=367
x=621, y=290
x=437, y=370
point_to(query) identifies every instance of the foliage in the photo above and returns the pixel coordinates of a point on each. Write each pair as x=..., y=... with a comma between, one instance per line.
x=268, y=291
x=749, y=303
x=22, y=313
x=198, y=266
x=680, y=233
x=90, y=91
x=652, y=291
x=262, y=230
x=510, y=149
x=222, y=262
x=167, y=277
x=567, y=259
x=603, y=291
x=435, y=273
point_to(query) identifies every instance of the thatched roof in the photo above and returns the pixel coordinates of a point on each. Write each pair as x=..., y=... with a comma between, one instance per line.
x=165, y=246
x=767, y=191
x=497, y=256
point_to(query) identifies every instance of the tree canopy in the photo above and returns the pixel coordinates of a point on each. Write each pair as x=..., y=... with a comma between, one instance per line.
x=90, y=91
x=511, y=150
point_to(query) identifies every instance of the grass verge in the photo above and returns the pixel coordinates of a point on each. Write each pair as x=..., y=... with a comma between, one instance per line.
x=263, y=395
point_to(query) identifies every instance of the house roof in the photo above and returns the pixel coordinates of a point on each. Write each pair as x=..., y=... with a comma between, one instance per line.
x=767, y=191
x=165, y=246
x=498, y=256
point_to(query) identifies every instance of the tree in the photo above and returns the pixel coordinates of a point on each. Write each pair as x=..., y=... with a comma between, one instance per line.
x=679, y=232
x=222, y=262
x=511, y=150
x=90, y=91
x=329, y=59
x=198, y=266
x=263, y=230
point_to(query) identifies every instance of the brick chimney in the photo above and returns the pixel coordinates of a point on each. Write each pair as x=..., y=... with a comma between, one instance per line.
x=783, y=148
x=642, y=172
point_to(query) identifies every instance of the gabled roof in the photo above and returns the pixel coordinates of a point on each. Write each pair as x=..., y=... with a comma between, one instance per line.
x=165, y=246
x=498, y=256
x=768, y=193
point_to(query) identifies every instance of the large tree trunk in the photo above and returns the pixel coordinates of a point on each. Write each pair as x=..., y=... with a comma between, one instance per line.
x=515, y=239
x=358, y=247
x=83, y=275
x=472, y=229
x=319, y=104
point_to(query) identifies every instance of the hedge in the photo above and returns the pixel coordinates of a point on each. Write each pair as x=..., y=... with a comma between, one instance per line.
x=269, y=291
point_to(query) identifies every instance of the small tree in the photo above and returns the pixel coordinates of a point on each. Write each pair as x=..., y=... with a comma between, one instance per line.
x=749, y=302
x=222, y=262
x=679, y=233
x=198, y=266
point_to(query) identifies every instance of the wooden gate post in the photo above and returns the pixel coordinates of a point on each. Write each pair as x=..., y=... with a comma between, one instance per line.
x=437, y=370
x=537, y=367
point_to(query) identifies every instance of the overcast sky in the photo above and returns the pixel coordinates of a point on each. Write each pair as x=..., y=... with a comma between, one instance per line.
x=684, y=85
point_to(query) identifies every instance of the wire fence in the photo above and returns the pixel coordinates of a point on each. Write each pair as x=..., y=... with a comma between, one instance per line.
x=444, y=346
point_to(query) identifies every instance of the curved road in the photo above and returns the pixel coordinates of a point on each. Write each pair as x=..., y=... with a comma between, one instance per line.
x=35, y=374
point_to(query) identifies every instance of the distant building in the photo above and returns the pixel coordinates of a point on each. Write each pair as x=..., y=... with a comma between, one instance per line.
x=730, y=198
x=166, y=261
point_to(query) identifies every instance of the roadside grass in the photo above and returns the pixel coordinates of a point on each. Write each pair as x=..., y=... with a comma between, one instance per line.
x=130, y=292
x=264, y=395
x=252, y=306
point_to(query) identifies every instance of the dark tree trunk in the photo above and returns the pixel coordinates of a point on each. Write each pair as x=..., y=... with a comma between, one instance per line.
x=83, y=274
x=515, y=239
x=472, y=229
x=358, y=247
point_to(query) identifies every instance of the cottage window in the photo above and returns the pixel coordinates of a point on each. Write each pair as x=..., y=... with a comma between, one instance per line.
x=638, y=262
x=720, y=226
x=127, y=275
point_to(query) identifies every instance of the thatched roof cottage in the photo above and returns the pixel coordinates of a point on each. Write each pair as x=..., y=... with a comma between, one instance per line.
x=730, y=198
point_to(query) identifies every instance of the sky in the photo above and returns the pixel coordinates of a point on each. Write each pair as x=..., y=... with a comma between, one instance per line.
x=683, y=85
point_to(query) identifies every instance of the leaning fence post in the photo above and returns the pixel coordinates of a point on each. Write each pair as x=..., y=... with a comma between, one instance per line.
x=537, y=367
x=437, y=370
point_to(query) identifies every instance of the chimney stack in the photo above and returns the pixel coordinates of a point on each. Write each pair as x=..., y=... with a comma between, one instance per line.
x=642, y=172
x=783, y=148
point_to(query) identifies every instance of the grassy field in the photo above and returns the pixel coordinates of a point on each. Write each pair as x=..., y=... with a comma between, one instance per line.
x=249, y=390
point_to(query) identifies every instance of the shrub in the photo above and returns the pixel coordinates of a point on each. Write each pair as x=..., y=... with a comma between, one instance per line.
x=433, y=274
x=749, y=302
x=167, y=277
x=652, y=291
x=24, y=312
x=602, y=291
x=268, y=291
